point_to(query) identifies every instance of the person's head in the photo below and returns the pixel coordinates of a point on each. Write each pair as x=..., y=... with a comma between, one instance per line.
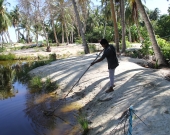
x=104, y=43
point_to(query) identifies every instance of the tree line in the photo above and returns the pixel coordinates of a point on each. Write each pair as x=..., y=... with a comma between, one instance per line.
x=69, y=21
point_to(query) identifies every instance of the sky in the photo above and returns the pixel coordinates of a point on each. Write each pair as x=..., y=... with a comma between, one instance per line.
x=162, y=5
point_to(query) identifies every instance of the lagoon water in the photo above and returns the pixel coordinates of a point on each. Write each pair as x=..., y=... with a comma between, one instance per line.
x=13, y=120
x=21, y=113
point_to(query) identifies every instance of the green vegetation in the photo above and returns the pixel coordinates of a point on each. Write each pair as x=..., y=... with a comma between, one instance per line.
x=37, y=85
x=84, y=123
x=79, y=53
x=7, y=76
x=19, y=72
x=78, y=40
x=36, y=82
x=52, y=56
x=92, y=48
x=7, y=56
x=165, y=47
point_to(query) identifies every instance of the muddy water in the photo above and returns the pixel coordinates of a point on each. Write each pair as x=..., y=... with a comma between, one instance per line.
x=22, y=113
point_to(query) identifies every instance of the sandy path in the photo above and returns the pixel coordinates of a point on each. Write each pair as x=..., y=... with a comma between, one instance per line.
x=143, y=88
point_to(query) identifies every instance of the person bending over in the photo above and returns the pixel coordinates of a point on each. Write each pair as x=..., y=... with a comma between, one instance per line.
x=110, y=54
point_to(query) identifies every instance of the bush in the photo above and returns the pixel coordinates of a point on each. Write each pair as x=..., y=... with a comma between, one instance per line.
x=165, y=47
x=36, y=82
x=78, y=40
x=128, y=45
x=2, y=49
x=92, y=48
x=52, y=56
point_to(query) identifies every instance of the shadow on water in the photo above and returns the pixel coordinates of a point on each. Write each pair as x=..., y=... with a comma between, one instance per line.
x=22, y=107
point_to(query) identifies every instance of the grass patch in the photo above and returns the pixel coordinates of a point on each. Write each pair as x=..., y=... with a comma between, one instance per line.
x=79, y=53
x=37, y=85
x=84, y=123
x=36, y=82
x=9, y=56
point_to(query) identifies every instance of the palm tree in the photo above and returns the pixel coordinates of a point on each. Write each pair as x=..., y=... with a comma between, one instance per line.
x=52, y=9
x=15, y=19
x=116, y=36
x=156, y=48
x=154, y=15
x=122, y=8
x=115, y=25
x=129, y=20
x=86, y=48
x=4, y=19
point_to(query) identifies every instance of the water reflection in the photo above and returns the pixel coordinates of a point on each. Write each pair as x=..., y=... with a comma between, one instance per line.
x=61, y=123
x=15, y=71
x=7, y=76
x=22, y=109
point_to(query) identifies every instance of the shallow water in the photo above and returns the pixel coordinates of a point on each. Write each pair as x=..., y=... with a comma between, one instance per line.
x=21, y=113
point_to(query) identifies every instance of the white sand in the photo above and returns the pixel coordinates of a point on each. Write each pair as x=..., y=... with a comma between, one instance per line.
x=145, y=89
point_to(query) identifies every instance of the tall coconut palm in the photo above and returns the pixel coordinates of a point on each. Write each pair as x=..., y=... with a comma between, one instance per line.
x=52, y=11
x=116, y=36
x=129, y=20
x=84, y=12
x=106, y=16
x=115, y=25
x=4, y=19
x=156, y=48
x=122, y=8
x=86, y=48
x=15, y=19
x=154, y=15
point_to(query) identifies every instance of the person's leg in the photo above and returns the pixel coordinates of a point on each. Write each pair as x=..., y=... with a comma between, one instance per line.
x=111, y=76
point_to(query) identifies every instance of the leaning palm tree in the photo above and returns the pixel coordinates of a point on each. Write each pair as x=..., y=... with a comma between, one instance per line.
x=86, y=48
x=129, y=20
x=156, y=48
x=4, y=19
x=115, y=25
x=116, y=36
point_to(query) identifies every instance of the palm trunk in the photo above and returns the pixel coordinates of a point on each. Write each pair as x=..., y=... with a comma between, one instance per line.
x=66, y=31
x=62, y=33
x=122, y=7
x=130, y=36
x=16, y=35
x=86, y=48
x=54, y=30
x=156, y=48
x=72, y=36
x=2, y=41
x=46, y=36
x=115, y=25
x=5, y=37
x=28, y=36
x=37, y=37
x=9, y=37
x=104, y=29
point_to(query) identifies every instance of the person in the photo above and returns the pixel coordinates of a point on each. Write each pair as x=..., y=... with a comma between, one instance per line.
x=109, y=53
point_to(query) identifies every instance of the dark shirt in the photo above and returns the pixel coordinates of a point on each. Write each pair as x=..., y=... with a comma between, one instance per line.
x=110, y=54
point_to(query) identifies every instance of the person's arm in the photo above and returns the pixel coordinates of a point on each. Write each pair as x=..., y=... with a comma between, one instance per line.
x=100, y=59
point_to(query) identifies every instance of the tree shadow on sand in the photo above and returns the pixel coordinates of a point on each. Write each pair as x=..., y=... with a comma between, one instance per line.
x=139, y=87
